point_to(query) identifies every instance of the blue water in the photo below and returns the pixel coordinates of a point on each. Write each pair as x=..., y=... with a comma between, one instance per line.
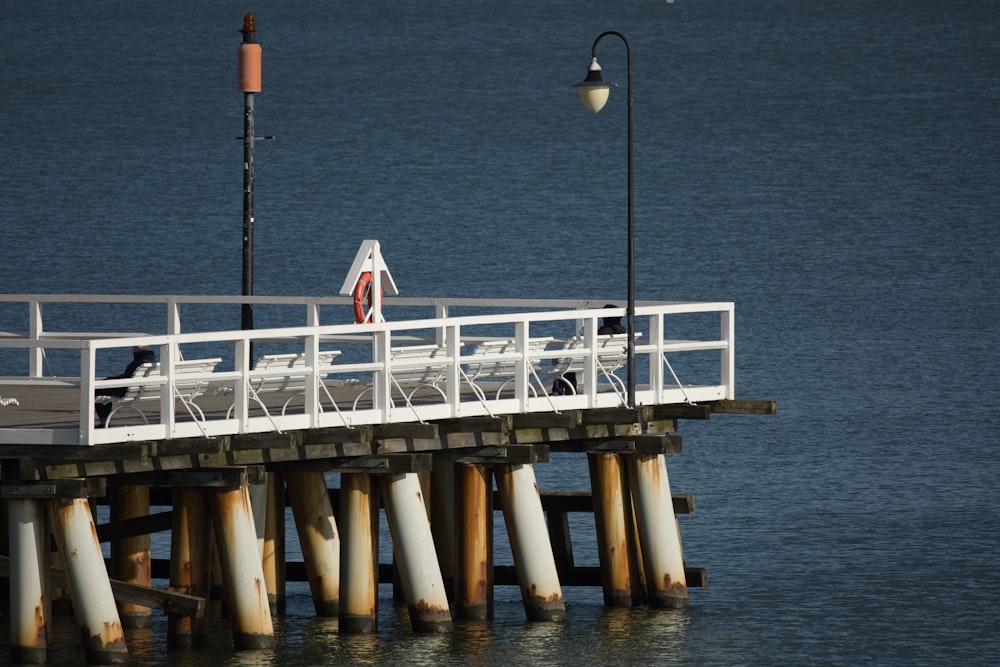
x=829, y=167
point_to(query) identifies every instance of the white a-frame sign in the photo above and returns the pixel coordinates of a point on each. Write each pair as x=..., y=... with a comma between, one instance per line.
x=369, y=280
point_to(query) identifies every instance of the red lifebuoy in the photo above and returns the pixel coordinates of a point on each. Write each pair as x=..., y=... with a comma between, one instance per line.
x=363, y=293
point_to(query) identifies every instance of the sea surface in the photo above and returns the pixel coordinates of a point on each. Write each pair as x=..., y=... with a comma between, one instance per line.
x=830, y=167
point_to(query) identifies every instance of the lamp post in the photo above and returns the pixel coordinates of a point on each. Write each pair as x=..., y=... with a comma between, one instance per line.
x=594, y=92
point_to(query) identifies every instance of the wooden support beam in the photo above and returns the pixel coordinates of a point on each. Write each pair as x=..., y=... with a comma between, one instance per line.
x=681, y=411
x=56, y=488
x=142, y=525
x=508, y=455
x=582, y=501
x=744, y=407
x=169, y=601
x=643, y=443
x=545, y=420
x=225, y=477
x=127, y=451
x=642, y=413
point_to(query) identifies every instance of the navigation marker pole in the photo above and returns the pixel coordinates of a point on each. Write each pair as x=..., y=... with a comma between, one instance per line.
x=249, y=59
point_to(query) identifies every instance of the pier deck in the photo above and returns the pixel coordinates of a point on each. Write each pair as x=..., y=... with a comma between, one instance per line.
x=420, y=417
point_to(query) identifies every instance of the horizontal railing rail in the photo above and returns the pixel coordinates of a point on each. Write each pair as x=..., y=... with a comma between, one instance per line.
x=670, y=355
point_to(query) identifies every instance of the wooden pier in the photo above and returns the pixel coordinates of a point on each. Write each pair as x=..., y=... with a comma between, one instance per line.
x=440, y=436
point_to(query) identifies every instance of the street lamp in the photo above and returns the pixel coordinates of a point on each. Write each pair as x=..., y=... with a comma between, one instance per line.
x=594, y=92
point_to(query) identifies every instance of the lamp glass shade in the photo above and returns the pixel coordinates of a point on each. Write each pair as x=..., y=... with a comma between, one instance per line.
x=594, y=96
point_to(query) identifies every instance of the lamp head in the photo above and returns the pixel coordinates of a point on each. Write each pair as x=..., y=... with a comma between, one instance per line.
x=594, y=90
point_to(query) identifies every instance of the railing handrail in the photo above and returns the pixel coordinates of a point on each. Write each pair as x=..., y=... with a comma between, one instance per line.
x=446, y=329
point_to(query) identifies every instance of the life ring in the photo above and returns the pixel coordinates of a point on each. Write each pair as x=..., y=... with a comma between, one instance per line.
x=363, y=293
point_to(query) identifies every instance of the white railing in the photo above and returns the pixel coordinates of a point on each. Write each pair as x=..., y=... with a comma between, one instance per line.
x=685, y=353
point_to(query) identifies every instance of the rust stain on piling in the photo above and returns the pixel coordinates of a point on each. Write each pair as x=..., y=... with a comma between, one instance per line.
x=424, y=607
x=111, y=636
x=40, y=632
x=670, y=585
x=555, y=597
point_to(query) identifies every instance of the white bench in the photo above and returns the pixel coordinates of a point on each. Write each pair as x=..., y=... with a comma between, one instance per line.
x=413, y=367
x=612, y=354
x=274, y=373
x=500, y=360
x=191, y=379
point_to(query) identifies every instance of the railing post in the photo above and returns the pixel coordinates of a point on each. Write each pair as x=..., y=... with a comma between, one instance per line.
x=37, y=353
x=453, y=386
x=312, y=380
x=170, y=353
x=173, y=317
x=241, y=394
x=728, y=361
x=522, y=379
x=382, y=390
x=657, y=333
x=88, y=361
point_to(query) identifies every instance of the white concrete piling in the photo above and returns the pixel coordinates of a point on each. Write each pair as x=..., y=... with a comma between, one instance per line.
x=656, y=524
x=529, y=540
x=93, y=601
x=242, y=573
x=416, y=557
x=318, y=537
x=30, y=601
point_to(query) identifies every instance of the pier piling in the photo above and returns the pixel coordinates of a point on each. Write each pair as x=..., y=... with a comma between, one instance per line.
x=318, y=538
x=242, y=572
x=662, y=558
x=416, y=558
x=93, y=601
x=30, y=601
x=474, y=522
x=529, y=542
x=130, y=557
x=359, y=503
x=616, y=546
x=190, y=563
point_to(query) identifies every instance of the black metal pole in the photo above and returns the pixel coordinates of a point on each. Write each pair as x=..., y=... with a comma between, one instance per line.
x=249, y=59
x=246, y=319
x=630, y=309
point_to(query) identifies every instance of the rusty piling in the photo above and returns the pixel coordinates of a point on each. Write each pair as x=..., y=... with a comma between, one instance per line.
x=359, y=502
x=318, y=537
x=130, y=557
x=242, y=573
x=616, y=547
x=190, y=563
x=416, y=558
x=93, y=601
x=529, y=540
x=659, y=539
x=30, y=600
x=473, y=509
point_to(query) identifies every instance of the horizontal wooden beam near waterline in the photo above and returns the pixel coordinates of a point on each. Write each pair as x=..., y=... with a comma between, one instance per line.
x=171, y=602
